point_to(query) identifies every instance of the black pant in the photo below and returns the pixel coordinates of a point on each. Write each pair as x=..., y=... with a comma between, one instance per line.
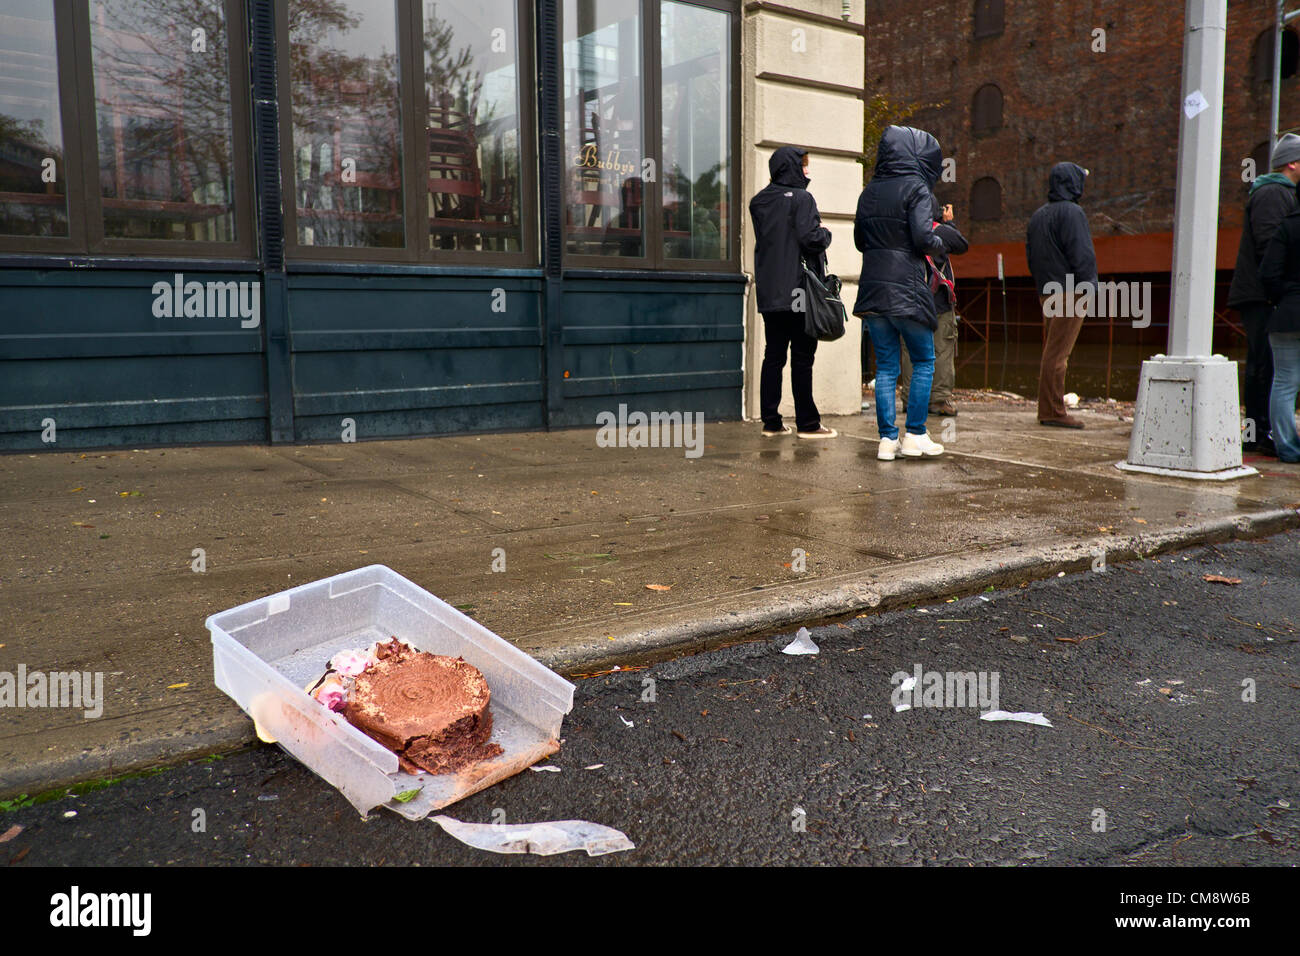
x=1259, y=366
x=783, y=331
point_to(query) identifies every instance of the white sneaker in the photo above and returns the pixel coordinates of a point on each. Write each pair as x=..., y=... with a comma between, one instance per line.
x=888, y=449
x=914, y=446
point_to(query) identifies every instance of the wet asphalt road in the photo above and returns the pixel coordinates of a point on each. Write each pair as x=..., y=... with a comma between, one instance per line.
x=1140, y=670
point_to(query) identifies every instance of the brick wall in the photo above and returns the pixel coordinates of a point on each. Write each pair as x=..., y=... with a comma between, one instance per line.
x=1115, y=112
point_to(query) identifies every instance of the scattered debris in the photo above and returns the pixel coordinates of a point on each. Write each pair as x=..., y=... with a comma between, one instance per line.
x=1220, y=579
x=69, y=814
x=549, y=767
x=543, y=839
x=626, y=721
x=1023, y=717
x=594, y=766
x=802, y=644
x=659, y=587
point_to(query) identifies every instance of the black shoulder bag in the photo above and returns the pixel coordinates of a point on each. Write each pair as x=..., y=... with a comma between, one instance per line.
x=823, y=311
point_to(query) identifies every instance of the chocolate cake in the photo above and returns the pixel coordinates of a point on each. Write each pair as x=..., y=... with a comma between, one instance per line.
x=431, y=710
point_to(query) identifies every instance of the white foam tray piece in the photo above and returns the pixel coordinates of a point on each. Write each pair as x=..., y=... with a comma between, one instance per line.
x=265, y=652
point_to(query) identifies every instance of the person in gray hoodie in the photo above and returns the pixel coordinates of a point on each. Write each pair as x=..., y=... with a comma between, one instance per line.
x=1272, y=198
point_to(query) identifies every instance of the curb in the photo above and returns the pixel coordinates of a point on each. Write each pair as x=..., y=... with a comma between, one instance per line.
x=785, y=607
x=729, y=619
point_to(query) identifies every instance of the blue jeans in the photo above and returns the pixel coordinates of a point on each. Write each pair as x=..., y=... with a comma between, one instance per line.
x=1281, y=400
x=886, y=333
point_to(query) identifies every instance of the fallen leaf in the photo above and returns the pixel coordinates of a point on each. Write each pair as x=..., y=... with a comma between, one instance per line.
x=622, y=604
x=178, y=686
x=659, y=587
x=1166, y=691
x=77, y=489
x=20, y=854
x=9, y=834
x=1219, y=578
x=81, y=524
x=1140, y=520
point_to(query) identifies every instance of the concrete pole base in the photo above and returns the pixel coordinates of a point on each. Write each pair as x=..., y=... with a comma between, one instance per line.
x=1186, y=423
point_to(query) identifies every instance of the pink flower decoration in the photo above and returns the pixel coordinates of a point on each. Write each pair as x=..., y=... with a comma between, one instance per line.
x=332, y=694
x=351, y=663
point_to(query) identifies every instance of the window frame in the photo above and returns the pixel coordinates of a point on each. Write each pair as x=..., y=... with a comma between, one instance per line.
x=245, y=244
x=414, y=154
x=982, y=130
x=78, y=115
x=971, y=198
x=995, y=23
x=653, y=257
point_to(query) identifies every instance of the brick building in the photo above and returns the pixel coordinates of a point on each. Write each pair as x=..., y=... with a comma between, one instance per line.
x=1022, y=84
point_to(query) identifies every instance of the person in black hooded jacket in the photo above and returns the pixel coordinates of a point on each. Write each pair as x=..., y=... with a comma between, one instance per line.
x=1279, y=274
x=1058, y=246
x=894, y=230
x=787, y=227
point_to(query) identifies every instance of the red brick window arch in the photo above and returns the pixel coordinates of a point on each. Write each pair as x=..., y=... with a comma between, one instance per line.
x=1264, y=55
x=985, y=200
x=986, y=109
x=990, y=18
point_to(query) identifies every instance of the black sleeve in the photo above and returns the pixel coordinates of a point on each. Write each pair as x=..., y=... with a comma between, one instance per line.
x=925, y=241
x=860, y=224
x=953, y=240
x=1076, y=243
x=811, y=235
x=1270, y=206
x=1272, y=267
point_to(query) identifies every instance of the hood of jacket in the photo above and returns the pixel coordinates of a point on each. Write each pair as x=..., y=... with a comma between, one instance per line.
x=1065, y=182
x=786, y=167
x=906, y=151
x=1278, y=178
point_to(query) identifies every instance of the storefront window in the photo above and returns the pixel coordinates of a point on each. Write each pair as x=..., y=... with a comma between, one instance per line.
x=696, y=131
x=603, y=130
x=347, y=137
x=471, y=77
x=33, y=199
x=162, y=99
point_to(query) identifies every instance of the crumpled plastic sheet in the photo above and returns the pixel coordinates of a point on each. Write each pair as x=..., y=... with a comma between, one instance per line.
x=543, y=839
x=1023, y=717
x=802, y=644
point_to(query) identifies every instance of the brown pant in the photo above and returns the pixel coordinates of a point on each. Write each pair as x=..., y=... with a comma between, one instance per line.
x=945, y=362
x=1059, y=335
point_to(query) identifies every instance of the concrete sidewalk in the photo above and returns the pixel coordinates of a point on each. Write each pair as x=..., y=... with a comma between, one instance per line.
x=96, y=575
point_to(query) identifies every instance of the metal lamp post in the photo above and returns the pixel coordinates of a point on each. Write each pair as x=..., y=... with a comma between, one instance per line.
x=1282, y=19
x=1186, y=421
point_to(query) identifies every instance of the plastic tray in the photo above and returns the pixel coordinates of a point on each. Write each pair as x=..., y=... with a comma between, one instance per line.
x=266, y=651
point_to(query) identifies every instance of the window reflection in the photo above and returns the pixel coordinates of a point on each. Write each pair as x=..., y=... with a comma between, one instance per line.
x=33, y=200
x=162, y=99
x=472, y=87
x=603, y=131
x=345, y=100
x=696, y=131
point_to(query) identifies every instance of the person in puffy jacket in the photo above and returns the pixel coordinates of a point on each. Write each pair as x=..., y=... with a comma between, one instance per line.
x=944, y=287
x=787, y=227
x=1279, y=274
x=894, y=231
x=1059, y=248
x=1272, y=197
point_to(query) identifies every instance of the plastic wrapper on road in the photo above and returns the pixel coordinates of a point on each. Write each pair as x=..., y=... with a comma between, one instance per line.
x=267, y=651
